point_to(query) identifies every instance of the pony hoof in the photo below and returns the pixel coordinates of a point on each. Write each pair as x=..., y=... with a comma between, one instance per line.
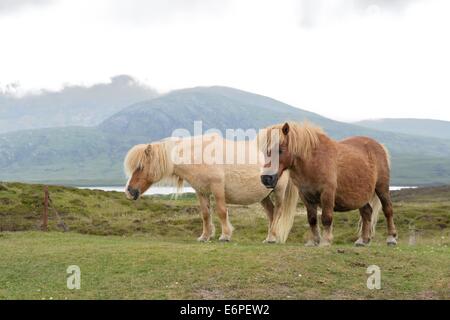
x=270, y=239
x=202, y=239
x=324, y=243
x=391, y=241
x=311, y=243
x=224, y=238
x=360, y=243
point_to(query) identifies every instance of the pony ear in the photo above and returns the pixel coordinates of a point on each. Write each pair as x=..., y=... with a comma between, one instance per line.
x=285, y=129
x=148, y=150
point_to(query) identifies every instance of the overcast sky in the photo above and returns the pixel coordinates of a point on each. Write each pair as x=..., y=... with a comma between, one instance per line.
x=345, y=59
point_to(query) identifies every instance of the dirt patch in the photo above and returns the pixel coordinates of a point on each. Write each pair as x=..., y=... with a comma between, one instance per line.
x=6, y=201
x=427, y=295
x=210, y=294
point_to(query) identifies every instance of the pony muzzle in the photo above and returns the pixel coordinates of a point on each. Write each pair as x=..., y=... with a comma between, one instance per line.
x=269, y=180
x=133, y=193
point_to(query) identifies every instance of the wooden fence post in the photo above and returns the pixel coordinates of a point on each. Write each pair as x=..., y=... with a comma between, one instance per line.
x=44, y=226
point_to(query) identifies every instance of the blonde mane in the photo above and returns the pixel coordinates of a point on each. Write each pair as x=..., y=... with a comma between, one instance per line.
x=303, y=138
x=155, y=160
x=147, y=157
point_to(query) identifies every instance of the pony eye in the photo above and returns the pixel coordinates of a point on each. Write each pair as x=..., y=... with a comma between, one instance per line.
x=280, y=151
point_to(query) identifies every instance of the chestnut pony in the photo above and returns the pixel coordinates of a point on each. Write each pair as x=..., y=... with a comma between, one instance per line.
x=333, y=175
x=231, y=182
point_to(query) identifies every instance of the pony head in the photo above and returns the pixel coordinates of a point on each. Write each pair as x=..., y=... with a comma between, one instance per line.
x=145, y=164
x=282, y=143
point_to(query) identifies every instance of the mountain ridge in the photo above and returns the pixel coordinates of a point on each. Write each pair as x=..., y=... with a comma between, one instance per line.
x=423, y=127
x=73, y=105
x=92, y=155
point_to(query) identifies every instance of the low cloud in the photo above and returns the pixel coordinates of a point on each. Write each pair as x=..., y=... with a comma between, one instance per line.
x=157, y=11
x=317, y=12
x=7, y=6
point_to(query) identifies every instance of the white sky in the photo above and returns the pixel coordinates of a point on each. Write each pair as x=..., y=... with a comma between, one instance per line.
x=345, y=59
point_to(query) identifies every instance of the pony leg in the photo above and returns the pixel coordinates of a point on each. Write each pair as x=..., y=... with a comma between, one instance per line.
x=311, y=211
x=222, y=212
x=208, y=226
x=366, y=216
x=385, y=199
x=327, y=203
x=270, y=209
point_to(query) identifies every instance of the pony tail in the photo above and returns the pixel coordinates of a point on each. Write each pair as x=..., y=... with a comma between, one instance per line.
x=375, y=203
x=178, y=184
x=285, y=220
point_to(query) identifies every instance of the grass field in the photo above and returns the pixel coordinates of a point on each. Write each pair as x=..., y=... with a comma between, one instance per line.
x=147, y=250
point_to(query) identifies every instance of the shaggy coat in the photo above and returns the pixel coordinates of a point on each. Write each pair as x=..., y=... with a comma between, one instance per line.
x=233, y=177
x=334, y=175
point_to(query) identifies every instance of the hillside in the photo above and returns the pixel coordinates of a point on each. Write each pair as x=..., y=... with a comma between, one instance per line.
x=71, y=106
x=79, y=155
x=217, y=107
x=222, y=108
x=71, y=155
x=147, y=249
x=422, y=127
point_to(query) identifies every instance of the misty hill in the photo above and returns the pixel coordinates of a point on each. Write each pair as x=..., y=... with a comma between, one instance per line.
x=72, y=106
x=223, y=107
x=422, y=127
x=94, y=155
x=217, y=107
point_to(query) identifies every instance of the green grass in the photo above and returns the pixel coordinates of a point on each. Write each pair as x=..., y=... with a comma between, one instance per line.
x=34, y=267
x=147, y=250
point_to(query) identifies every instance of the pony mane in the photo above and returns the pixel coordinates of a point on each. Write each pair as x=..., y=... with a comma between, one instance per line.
x=303, y=138
x=155, y=159
x=152, y=157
